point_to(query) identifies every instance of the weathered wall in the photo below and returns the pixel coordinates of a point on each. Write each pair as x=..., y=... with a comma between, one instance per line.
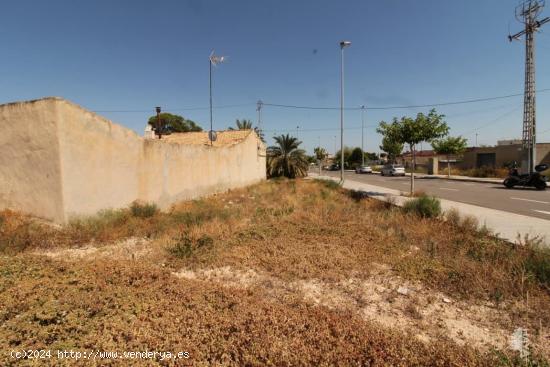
x=104, y=165
x=30, y=169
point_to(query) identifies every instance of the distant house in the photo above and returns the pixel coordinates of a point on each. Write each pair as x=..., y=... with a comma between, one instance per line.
x=501, y=155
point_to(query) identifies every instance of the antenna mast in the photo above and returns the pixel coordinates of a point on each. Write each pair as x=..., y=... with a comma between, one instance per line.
x=527, y=13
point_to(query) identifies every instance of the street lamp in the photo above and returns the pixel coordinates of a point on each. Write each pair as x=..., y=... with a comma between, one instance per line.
x=158, y=121
x=362, y=134
x=213, y=60
x=343, y=44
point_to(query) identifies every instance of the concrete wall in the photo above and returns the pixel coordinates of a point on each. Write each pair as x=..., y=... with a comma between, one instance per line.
x=64, y=161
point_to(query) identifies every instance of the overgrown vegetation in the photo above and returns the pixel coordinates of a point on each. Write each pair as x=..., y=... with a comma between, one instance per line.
x=424, y=206
x=290, y=230
x=482, y=172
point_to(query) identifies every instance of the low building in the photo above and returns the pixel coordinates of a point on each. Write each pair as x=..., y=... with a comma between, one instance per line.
x=501, y=155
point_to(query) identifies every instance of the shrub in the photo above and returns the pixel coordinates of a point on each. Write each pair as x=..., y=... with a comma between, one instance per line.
x=185, y=246
x=329, y=184
x=358, y=195
x=424, y=206
x=538, y=263
x=143, y=210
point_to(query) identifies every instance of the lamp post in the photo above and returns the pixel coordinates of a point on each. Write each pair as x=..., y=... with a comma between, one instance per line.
x=158, y=121
x=362, y=135
x=343, y=44
x=212, y=60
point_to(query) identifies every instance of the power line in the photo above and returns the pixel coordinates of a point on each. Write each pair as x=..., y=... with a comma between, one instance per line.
x=466, y=101
x=178, y=109
x=492, y=121
x=476, y=100
x=318, y=129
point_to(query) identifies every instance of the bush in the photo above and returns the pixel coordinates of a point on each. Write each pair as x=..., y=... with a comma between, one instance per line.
x=143, y=210
x=538, y=263
x=424, y=206
x=185, y=246
x=358, y=195
x=329, y=184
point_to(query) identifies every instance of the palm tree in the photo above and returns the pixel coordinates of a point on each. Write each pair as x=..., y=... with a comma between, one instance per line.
x=245, y=124
x=242, y=125
x=285, y=159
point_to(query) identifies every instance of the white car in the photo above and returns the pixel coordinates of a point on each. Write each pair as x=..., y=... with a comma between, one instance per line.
x=363, y=169
x=392, y=170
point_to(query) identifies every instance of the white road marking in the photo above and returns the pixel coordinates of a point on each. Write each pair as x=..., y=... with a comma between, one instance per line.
x=541, y=211
x=533, y=201
x=446, y=188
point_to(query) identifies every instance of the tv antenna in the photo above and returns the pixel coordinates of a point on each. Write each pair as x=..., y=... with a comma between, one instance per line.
x=527, y=13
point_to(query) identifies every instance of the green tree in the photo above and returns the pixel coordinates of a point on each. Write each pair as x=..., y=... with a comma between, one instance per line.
x=450, y=146
x=338, y=155
x=371, y=156
x=320, y=153
x=356, y=157
x=245, y=124
x=173, y=123
x=413, y=131
x=285, y=158
x=391, y=148
x=242, y=125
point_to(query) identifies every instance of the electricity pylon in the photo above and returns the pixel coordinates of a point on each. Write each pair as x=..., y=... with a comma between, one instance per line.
x=527, y=13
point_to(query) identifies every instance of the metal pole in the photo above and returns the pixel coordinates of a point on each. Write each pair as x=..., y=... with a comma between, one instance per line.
x=362, y=135
x=158, y=122
x=527, y=13
x=342, y=114
x=320, y=160
x=210, y=134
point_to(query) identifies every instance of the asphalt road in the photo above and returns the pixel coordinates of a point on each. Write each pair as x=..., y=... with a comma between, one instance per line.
x=526, y=201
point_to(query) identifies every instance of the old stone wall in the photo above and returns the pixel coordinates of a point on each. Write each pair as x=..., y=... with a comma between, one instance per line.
x=58, y=160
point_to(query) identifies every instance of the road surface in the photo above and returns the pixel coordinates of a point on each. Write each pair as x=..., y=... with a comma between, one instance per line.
x=526, y=201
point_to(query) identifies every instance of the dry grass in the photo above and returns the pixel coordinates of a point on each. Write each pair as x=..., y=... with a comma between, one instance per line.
x=296, y=234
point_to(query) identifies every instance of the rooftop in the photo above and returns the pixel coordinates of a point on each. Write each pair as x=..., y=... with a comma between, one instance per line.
x=225, y=138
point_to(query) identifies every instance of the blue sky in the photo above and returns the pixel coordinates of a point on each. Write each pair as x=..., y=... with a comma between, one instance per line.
x=135, y=55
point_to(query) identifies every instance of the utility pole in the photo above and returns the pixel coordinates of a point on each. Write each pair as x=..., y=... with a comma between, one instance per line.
x=527, y=13
x=476, y=140
x=212, y=60
x=363, y=135
x=159, y=133
x=259, y=106
x=320, y=160
x=343, y=44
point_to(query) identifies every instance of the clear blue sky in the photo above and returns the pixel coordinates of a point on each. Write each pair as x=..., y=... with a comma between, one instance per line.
x=135, y=55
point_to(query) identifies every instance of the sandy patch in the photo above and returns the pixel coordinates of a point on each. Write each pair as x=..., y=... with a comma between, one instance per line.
x=383, y=298
x=129, y=249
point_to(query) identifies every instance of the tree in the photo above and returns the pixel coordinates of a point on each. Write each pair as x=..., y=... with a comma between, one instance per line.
x=413, y=131
x=242, y=125
x=245, y=124
x=173, y=123
x=285, y=158
x=391, y=148
x=449, y=146
x=356, y=157
x=347, y=154
x=371, y=156
x=320, y=153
